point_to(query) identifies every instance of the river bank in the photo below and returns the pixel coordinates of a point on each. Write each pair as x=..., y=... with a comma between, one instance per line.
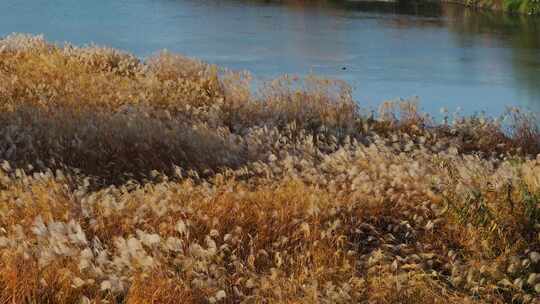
x=524, y=7
x=166, y=180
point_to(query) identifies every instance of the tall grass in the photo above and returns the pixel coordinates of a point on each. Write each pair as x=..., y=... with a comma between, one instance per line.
x=169, y=180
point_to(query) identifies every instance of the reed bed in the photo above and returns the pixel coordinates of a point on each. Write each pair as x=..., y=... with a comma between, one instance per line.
x=169, y=181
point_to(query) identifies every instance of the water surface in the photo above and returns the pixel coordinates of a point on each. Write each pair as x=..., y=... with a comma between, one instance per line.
x=446, y=55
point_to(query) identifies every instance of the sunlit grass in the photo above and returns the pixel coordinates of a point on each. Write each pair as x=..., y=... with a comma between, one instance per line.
x=170, y=181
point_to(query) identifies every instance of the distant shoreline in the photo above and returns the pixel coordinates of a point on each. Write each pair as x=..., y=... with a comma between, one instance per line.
x=519, y=7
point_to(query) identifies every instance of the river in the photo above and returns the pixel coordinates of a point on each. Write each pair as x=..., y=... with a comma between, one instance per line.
x=446, y=55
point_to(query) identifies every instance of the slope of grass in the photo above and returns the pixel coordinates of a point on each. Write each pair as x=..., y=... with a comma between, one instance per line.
x=169, y=181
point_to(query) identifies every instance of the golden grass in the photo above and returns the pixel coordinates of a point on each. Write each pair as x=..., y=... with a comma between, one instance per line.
x=170, y=181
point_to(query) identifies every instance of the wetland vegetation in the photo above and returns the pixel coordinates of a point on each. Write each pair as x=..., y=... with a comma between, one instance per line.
x=168, y=179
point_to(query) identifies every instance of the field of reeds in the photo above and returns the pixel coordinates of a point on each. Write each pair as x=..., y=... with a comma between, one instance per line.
x=171, y=181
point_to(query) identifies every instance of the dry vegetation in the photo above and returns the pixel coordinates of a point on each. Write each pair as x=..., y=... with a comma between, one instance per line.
x=169, y=181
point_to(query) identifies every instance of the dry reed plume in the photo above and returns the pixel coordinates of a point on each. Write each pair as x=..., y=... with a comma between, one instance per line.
x=169, y=181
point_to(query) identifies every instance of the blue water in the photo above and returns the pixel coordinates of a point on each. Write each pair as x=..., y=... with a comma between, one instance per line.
x=446, y=55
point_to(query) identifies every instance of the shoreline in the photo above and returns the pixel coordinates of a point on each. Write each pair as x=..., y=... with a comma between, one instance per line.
x=528, y=9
